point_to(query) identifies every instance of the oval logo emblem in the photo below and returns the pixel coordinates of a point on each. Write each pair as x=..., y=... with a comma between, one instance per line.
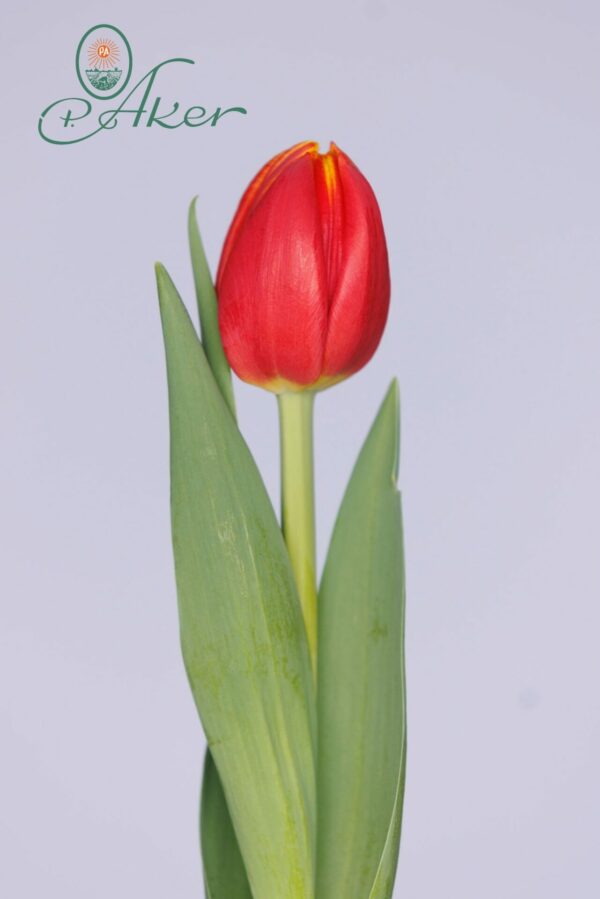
x=103, y=61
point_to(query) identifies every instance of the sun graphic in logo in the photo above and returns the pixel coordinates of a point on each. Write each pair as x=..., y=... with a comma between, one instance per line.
x=103, y=53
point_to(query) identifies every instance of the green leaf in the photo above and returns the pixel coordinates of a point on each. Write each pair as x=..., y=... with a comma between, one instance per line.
x=208, y=311
x=361, y=684
x=242, y=632
x=224, y=872
x=383, y=886
x=222, y=860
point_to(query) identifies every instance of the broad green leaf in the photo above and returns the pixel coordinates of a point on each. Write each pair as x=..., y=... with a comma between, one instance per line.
x=361, y=688
x=242, y=632
x=224, y=872
x=208, y=311
x=220, y=852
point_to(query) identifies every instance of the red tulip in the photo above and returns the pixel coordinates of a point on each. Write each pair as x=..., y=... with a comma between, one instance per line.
x=303, y=282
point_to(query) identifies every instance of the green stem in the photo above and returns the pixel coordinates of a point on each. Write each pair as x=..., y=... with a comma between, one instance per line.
x=298, y=502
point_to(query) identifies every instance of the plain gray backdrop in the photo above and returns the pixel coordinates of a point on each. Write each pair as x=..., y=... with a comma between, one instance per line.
x=478, y=126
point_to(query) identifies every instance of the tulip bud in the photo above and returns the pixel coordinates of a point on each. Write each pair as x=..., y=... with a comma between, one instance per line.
x=303, y=282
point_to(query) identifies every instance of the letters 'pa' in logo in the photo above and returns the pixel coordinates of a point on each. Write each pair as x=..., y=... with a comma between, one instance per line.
x=104, y=61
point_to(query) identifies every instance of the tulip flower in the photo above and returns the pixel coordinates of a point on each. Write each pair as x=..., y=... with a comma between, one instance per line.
x=303, y=283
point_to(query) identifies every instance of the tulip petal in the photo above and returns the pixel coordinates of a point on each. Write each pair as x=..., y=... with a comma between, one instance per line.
x=273, y=300
x=331, y=207
x=258, y=187
x=359, y=307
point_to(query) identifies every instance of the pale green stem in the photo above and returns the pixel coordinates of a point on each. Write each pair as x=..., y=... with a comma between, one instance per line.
x=298, y=502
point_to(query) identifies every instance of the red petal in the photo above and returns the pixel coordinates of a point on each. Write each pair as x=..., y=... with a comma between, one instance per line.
x=257, y=188
x=272, y=284
x=360, y=304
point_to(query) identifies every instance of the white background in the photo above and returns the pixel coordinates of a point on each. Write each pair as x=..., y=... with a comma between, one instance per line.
x=478, y=126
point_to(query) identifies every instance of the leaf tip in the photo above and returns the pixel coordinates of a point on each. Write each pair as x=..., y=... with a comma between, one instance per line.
x=163, y=281
x=169, y=300
x=393, y=393
x=192, y=210
x=390, y=410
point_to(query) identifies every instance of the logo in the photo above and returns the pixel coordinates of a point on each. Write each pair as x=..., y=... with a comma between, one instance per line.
x=104, y=67
x=104, y=61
